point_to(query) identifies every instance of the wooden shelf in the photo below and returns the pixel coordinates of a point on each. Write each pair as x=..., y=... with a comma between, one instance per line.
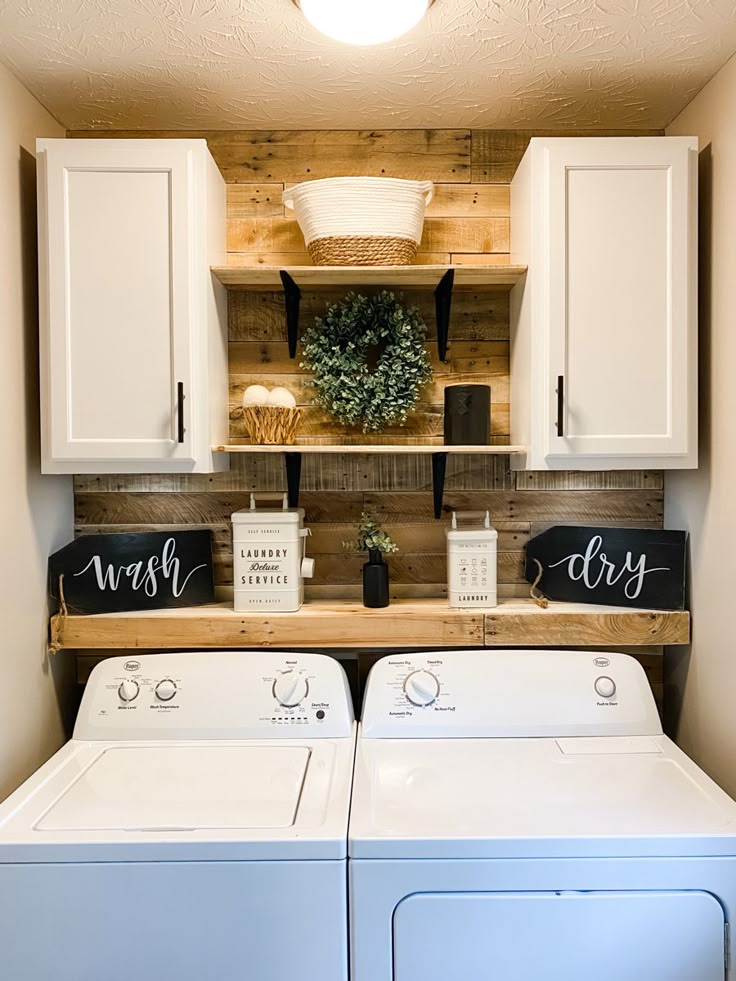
x=420, y=448
x=476, y=277
x=346, y=623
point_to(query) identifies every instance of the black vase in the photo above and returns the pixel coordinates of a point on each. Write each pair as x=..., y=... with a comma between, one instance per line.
x=467, y=415
x=375, y=580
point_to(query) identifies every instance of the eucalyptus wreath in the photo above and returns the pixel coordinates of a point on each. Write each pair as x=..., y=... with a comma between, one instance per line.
x=369, y=361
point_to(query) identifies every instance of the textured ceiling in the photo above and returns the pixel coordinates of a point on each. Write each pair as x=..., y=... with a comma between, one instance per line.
x=230, y=64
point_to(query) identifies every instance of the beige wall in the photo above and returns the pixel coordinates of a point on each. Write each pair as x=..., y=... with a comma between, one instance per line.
x=35, y=511
x=701, y=681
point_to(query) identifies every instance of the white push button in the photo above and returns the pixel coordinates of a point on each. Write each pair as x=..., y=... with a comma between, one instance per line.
x=605, y=686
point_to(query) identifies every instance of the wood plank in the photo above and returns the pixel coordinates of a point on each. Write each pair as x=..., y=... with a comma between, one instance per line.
x=476, y=316
x=481, y=258
x=272, y=358
x=299, y=383
x=287, y=259
x=554, y=480
x=426, y=420
x=566, y=623
x=318, y=624
x=274, y=234
x=496, y=153
x=347, y=624
x=255, y=201
x=401, y=506
x=470, y=201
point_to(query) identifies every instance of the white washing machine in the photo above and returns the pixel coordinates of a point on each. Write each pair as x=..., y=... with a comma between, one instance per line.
x=195, y=827
x=519, y=815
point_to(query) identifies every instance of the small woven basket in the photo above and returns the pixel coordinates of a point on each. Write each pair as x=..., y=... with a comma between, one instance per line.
x=360, y=221
x=271, y=424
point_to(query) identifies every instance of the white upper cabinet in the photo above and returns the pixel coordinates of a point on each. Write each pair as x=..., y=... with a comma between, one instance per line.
x=603, y=335
x=133, y=326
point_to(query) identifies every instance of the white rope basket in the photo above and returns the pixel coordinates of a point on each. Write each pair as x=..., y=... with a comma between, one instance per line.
x=360, y=220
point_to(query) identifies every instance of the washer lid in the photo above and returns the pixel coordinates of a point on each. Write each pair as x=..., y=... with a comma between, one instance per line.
x=146, y=788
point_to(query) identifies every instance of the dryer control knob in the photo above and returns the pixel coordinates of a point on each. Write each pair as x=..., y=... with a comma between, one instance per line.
x=605, y=686
x=290, y=688
x=165, y=690
x=421, y=687
x=128, y=690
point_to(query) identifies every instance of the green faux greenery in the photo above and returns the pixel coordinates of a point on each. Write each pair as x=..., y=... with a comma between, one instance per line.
x=339, y=348
x=371, y=536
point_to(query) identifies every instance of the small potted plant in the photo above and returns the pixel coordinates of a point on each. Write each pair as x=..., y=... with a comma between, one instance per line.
x=377, y=543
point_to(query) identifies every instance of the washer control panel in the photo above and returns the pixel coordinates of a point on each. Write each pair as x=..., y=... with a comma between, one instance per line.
x=512, y=694
x=216, y=695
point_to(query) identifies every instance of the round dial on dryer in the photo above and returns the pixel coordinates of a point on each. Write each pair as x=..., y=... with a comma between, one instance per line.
x=290, y=688
x=421, y=687
x=165, y=690
x=128, y=690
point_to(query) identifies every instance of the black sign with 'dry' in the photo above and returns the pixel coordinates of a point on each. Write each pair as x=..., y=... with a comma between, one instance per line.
x=633, y=567
x=147, y=571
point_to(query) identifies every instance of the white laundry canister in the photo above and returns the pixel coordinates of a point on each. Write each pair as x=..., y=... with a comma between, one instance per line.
x=472, y=561
x=269, y=561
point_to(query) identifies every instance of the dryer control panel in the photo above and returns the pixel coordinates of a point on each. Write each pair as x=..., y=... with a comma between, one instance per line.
x=512, y=693
x=216, y=695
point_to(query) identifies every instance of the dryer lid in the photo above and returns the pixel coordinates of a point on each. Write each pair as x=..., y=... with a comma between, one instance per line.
x=175, y=787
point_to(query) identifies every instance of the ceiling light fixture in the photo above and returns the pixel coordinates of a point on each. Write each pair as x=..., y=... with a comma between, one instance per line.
x=364, y=21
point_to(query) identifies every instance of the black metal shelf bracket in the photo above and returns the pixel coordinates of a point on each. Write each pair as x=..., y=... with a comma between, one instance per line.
x=293, y=465
x=442, y=306
x=439, y=468
x=292, y=298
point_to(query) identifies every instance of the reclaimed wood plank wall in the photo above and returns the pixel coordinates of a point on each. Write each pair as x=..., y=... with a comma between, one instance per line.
x=468, y=221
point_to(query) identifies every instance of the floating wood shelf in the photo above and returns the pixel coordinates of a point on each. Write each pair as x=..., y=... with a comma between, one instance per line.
x=345, y=623
x=408, y=448
x=475, y=277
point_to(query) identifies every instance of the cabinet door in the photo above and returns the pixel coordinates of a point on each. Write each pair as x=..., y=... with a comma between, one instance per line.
x=621, y=286
x=116, y=302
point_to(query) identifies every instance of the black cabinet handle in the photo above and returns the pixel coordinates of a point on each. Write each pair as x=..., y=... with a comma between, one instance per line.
x=560, y=404
x=180, y=412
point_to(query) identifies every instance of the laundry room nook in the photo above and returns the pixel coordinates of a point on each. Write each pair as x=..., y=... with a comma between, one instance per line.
x=367, y=404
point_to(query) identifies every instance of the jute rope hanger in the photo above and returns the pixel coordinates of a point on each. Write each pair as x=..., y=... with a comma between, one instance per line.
x=539, y=598
x=57, y=621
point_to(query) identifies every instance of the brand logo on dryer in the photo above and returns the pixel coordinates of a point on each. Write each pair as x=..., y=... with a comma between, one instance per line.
x=132, y=666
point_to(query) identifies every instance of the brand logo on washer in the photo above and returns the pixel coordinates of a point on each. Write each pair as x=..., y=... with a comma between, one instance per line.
x=601, y=662
x=132, y=666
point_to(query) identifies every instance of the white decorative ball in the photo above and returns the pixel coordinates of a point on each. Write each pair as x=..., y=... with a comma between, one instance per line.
x=256, y=395
x=281, y=397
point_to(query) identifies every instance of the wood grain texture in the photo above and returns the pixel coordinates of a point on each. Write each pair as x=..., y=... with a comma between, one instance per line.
x=467, y=224
x=345, y=624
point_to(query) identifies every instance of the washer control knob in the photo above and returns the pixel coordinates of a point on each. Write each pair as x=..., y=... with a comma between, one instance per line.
x=165, y=690
x=421, y=687
x=128, y=690
x=605, y=686
x=290, y=688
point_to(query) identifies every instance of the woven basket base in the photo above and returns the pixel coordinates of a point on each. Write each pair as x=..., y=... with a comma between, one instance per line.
x=270, y=424
x=362, y=250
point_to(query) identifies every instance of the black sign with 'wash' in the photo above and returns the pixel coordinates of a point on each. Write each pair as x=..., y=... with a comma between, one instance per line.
x=147, y=571
x=634, y=567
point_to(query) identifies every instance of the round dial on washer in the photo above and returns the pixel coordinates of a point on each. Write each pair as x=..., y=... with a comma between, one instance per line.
x=605, y=686
x=128, y=690
x=290, y=688
x=421, y=687
x=165, y=690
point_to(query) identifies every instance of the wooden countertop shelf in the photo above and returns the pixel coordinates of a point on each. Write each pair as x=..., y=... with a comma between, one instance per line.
x=468, y=276
x=346, y=623
x=407, y=448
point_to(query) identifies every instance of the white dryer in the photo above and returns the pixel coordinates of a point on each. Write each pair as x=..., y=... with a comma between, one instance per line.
x=195, y=827
x=519, y=815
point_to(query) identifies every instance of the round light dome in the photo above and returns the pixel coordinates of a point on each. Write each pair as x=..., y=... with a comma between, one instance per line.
x=364, y=21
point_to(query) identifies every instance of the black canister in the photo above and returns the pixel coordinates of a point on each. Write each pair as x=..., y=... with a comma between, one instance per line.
x=375, y=580
x=467, y=415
